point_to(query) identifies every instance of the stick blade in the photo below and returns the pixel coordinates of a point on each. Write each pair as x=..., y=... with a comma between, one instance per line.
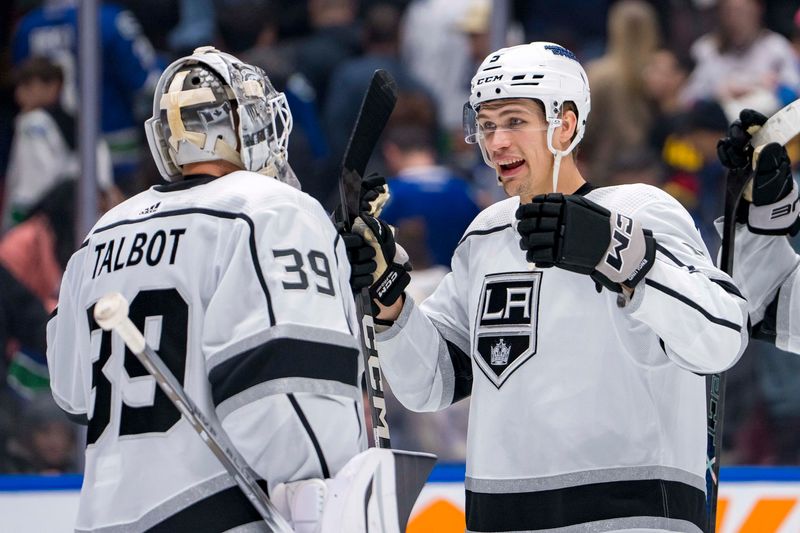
x=411, y=472
x=376, y=107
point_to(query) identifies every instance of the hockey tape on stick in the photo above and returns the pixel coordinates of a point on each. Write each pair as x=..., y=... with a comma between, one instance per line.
x=111, y=313
x=780, y=128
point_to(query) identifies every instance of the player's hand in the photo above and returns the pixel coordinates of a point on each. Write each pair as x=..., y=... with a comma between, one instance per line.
x=734, y=151
x=576, y=234
x=376, y=260
x=773, y=206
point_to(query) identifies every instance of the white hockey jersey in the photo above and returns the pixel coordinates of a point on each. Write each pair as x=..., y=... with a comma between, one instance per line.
x=767, y=270
x=582, y=411
x=241, y=285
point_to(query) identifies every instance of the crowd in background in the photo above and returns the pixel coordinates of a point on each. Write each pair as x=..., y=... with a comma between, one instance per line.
x=666, y=78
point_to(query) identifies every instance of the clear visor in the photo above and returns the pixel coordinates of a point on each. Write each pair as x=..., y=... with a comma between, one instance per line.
x=476, y=131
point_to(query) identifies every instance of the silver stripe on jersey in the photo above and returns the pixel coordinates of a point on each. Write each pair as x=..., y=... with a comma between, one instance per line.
x=170, y=507
x=632, y=524
x=576, y=479
x=285, y=386
x=783, y=322
x=399, y=324
x=282, y=331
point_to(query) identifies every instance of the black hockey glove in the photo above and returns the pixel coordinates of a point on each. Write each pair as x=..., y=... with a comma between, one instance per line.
x=734, y=151
x=772, y=207
x=376, y=260
x=576, y=234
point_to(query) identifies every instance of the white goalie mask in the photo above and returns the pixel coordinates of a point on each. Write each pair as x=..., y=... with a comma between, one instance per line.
x=210, y=106
x=543, y=71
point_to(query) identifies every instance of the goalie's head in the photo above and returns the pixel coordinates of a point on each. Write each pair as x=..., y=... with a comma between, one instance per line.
x=210, y=106
x=542, y=71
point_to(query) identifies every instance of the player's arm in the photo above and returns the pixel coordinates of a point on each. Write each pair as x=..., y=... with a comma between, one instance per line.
x=765, y=264
x=67, y=355
x=281, y=356
x=649, y=258
x=424, y=350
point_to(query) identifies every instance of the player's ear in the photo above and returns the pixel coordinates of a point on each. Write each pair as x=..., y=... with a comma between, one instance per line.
x=569, y=124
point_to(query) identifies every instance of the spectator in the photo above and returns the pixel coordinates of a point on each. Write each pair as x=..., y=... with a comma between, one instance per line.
x=43, y=151
x=664, y=77
x=129, y=69
x=335, y=38
x=349, y=81
x=742, y=64
x=621, y=111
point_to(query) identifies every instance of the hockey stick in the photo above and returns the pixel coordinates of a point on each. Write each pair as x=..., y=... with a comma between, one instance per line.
x=781, y=128
x=111, y=313
x=377, y=105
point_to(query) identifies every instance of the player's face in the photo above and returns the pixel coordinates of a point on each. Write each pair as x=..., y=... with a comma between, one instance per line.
x=514, y=133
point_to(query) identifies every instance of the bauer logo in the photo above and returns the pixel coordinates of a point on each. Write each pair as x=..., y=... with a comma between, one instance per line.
x=505, y=332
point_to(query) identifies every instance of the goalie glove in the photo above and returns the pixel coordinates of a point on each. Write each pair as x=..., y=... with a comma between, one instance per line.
x=735, y=151
x=772, y=207
x=376, y=260
x=578, y=235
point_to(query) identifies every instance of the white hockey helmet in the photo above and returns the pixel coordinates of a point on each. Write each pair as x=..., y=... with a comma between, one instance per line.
x=210, y=106
x=543, y=71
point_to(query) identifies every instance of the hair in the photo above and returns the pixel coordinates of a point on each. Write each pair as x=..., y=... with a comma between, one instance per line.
x=633, y=36
x=38, y=68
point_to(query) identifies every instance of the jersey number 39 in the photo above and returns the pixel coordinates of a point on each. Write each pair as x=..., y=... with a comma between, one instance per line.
x=163, y=315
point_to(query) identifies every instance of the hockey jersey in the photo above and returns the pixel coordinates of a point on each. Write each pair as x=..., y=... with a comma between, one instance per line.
x=767, y=269
x=241, y=285
x=585, y=408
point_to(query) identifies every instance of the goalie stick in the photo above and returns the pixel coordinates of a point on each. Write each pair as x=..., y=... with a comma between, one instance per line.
x=376, y=107
x=413, y=468
x=781, y=128
x=111, y=313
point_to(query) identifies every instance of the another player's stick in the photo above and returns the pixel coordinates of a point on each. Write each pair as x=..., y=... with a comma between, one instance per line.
x=376, y=107
x=111, y=313
x=781, y=128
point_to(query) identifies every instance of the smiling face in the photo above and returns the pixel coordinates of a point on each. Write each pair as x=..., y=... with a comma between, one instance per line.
x=515, y=140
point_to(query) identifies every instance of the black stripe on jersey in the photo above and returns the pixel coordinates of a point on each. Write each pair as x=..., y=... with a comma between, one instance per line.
x=694, y=305
x=311, y=435
x=767, y=329
x=283, y=358
x=729, y=287
x=483, y=232
x=552, y=509
x=672, y=258
x=213, y=213
x=462, y=371
x=205, y=515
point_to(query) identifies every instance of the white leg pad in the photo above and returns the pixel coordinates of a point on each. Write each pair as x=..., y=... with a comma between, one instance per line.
x=302, y=503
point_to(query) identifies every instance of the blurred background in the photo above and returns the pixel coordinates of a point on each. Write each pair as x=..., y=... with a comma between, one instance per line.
x=666, y=78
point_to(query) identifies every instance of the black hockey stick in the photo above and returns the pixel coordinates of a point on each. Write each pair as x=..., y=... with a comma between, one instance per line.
x=111, y=313
x=376, y=107
x=781, y=128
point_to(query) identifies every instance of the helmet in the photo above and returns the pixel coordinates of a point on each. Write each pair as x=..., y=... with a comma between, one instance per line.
x=544, y=71
x=210, y=106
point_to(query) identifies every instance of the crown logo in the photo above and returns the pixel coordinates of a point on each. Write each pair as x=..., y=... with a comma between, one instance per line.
x=500, y=353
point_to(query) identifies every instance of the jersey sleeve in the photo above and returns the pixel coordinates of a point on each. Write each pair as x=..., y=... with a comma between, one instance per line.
x=282, y=359
x=424, y=355
x=69, y=370
x=767, y=269
x=695, y=309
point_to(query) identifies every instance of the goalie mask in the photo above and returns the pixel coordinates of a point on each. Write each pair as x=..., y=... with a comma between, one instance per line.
x=543, y=71
x=210, y=106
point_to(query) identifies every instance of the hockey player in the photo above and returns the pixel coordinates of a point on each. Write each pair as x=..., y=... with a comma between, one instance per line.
x=765, y=266
x=588, y=400
x=240, y=282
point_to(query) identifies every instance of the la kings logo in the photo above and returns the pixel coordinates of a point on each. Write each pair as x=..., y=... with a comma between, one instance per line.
x=506, y=323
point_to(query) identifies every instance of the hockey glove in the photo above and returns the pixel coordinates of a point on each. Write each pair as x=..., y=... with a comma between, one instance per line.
x=734, y=151
x=376, y=260
x=576, y=234
x=374, y=195
x=772, y=209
